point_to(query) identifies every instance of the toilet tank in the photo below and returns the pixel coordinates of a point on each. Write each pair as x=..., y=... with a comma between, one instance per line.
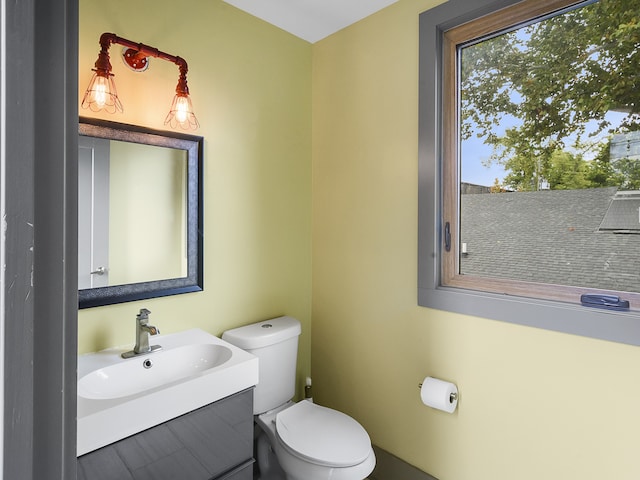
x=275, y=343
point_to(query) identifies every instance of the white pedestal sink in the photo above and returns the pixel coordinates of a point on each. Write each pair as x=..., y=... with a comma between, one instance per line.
x=120, y=397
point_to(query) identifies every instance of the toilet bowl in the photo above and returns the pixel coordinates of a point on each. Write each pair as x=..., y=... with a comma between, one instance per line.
x=303, y=440
x=312, y=442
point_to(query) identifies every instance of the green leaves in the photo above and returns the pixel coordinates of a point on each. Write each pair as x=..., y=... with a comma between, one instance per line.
x=537, y=91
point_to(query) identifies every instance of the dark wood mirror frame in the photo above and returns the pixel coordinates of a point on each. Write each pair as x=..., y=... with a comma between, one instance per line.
x=193, y=282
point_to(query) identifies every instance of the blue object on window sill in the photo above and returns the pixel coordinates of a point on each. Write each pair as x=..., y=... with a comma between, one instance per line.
x=610, y=302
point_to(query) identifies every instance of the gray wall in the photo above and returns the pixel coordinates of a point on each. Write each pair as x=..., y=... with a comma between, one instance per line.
x=39, y=307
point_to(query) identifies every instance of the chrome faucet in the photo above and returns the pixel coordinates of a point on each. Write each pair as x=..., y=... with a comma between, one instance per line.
x=143, y=332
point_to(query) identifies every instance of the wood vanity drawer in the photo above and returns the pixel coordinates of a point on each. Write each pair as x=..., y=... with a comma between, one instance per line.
x=212, y=442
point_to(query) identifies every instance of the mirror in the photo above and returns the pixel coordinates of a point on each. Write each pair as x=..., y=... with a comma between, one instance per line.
x=139, y=213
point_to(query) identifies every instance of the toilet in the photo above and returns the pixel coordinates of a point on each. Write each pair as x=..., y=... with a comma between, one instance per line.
x=297, y=440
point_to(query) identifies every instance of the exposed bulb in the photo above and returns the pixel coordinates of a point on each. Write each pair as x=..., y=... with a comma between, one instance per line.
x=100, y=91
x=182, y=109
x=181, y=113
x=101, y=94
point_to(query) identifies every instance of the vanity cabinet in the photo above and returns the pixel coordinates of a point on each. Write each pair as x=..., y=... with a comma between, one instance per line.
x=214, y=442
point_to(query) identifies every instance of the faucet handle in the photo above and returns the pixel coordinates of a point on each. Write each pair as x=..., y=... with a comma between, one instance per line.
x=143, y=315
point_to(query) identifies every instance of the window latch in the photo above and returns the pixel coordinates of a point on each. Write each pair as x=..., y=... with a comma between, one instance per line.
x=610, y=302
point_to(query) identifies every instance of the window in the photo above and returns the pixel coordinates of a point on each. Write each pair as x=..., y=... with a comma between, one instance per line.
x=529, y=179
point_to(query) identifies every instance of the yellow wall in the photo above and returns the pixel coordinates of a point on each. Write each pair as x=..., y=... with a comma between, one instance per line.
x=534, y=404
x=251, y=88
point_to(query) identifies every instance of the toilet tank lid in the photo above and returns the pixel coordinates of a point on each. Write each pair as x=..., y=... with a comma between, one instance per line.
x=262, y=334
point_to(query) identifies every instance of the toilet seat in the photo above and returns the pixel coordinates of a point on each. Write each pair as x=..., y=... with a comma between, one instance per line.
x=322, y=436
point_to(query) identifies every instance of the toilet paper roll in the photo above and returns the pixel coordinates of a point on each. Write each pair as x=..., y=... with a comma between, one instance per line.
x=439, y=394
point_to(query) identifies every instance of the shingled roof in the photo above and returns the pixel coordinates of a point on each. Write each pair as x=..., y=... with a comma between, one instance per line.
x=549, y=236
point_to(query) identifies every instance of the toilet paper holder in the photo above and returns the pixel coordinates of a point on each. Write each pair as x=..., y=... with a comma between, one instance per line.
x=452, y=398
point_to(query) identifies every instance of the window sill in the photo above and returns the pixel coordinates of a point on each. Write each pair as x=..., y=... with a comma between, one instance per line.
x=565, y=317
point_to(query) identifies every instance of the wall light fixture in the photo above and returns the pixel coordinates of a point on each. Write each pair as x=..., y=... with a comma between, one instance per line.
x=102, y=95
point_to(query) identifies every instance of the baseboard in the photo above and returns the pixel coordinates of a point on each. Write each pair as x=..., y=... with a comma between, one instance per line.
x=390, y=467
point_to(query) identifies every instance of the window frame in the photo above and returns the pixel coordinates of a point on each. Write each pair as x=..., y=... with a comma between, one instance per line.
x=438, y=191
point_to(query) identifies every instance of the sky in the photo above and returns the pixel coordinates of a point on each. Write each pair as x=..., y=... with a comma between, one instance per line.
x=473, y=153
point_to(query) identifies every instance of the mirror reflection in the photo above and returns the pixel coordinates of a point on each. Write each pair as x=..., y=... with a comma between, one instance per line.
x=139, y=222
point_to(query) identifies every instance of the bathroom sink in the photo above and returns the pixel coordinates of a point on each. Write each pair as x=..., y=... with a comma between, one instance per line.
x=148, y=373
x=119, y=397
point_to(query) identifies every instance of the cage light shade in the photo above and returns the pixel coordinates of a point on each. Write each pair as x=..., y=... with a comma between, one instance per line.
x=101, y=94
x=181, y=113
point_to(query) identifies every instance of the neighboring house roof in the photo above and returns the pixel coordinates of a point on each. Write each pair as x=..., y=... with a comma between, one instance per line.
x=623, y=215
x=550, y=236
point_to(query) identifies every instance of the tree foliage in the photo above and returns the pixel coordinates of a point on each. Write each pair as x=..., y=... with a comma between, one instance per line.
x=536, y=92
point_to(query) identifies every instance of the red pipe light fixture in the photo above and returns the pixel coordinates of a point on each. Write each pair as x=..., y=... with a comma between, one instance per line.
x=102, y=95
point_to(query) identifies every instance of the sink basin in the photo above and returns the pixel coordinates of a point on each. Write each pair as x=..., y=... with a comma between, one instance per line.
x=150, y=372
x=120, y=397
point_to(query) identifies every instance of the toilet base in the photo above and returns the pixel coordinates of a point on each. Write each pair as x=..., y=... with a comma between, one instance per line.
x=268, y=466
